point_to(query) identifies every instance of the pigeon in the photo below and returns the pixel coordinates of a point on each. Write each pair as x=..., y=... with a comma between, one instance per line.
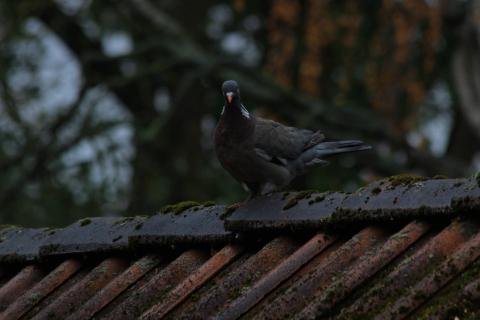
x=265, y=155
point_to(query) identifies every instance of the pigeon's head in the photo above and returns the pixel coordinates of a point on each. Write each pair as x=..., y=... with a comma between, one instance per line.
x=231, y=91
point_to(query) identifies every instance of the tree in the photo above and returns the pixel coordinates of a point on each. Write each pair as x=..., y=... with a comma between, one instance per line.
x=108, y=107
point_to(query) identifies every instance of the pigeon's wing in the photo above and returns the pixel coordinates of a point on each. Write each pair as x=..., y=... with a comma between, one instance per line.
x=278, y=143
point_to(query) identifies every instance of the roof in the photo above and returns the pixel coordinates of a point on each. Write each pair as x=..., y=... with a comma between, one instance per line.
x=403, y=247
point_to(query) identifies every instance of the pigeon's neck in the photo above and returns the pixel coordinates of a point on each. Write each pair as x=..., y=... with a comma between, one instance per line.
x=237, y=119
x=236, y=112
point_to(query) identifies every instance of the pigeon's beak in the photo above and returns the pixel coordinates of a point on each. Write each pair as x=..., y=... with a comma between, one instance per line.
x=229, y=97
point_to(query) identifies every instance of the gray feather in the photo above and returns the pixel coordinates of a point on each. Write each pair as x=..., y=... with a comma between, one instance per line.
x=270, y=158
x=315, y=154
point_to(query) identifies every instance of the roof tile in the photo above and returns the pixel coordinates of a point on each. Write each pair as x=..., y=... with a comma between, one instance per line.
x=313, y=264
x=159, y=285
x=280, y=273
x=285, y=211
x=22, y=244
x=48, y=284
x=223, y=257
x=361, y=271
x=292, y=300
x=116, y=287
x=195, y=225
x=69, y=301
x=236, y=279
x=451, y=299
x=411, y=269
x=384, y=200
x=358, y=266
x=396, y=198
x=435, y=280
x=91, y=235
x=20, y=283
x=472, y=290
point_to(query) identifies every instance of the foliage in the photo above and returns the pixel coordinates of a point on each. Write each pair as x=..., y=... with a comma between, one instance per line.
x=108, y=107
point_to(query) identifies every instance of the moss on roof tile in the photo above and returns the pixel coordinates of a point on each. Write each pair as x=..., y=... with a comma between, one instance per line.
x=185, y=205
x=292, y=201
x=229, y=210
x=85, y=222
x=450, y=302
x=405, y=179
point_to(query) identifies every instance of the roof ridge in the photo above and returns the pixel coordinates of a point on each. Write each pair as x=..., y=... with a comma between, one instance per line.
x=392, y=199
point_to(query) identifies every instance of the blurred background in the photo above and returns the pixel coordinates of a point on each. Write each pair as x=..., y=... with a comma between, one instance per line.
x=109, y=107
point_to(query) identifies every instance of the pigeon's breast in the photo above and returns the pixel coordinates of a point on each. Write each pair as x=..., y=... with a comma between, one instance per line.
x=237, y=158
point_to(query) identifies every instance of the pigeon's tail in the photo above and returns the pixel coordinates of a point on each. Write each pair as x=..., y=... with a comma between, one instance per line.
x=315, y=154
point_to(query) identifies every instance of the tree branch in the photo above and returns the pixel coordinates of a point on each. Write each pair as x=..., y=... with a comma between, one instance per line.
x=466, y=68
x=176, y=44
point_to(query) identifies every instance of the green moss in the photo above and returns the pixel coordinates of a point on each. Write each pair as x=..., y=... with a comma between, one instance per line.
x=85, y=222
x=6, y=226
x=477, y=178
x=285, y=195
x=229, y=210
x=318, y=198
x=124, y=220
x=292, y=201
x=138, y=225
x=184, y=205
x=376, y=190
x=449, y=301
x=208, y=204
x=405, y=179
x=439, y=177
x=361, y=189
x=179, y=207
x=35, y=297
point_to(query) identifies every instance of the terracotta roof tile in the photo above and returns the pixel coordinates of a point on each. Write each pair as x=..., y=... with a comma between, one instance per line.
x=292, y=300
x=411, y=269
x=113, y=289
x=234, y=281
x=434, y=281
x=20, y=283
x=69, y=301
x=366, y=266
x=451, y=299
x=193, y=281
x=388, y=251
x=48, y=284
x=158, y=287
x=284, y=270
